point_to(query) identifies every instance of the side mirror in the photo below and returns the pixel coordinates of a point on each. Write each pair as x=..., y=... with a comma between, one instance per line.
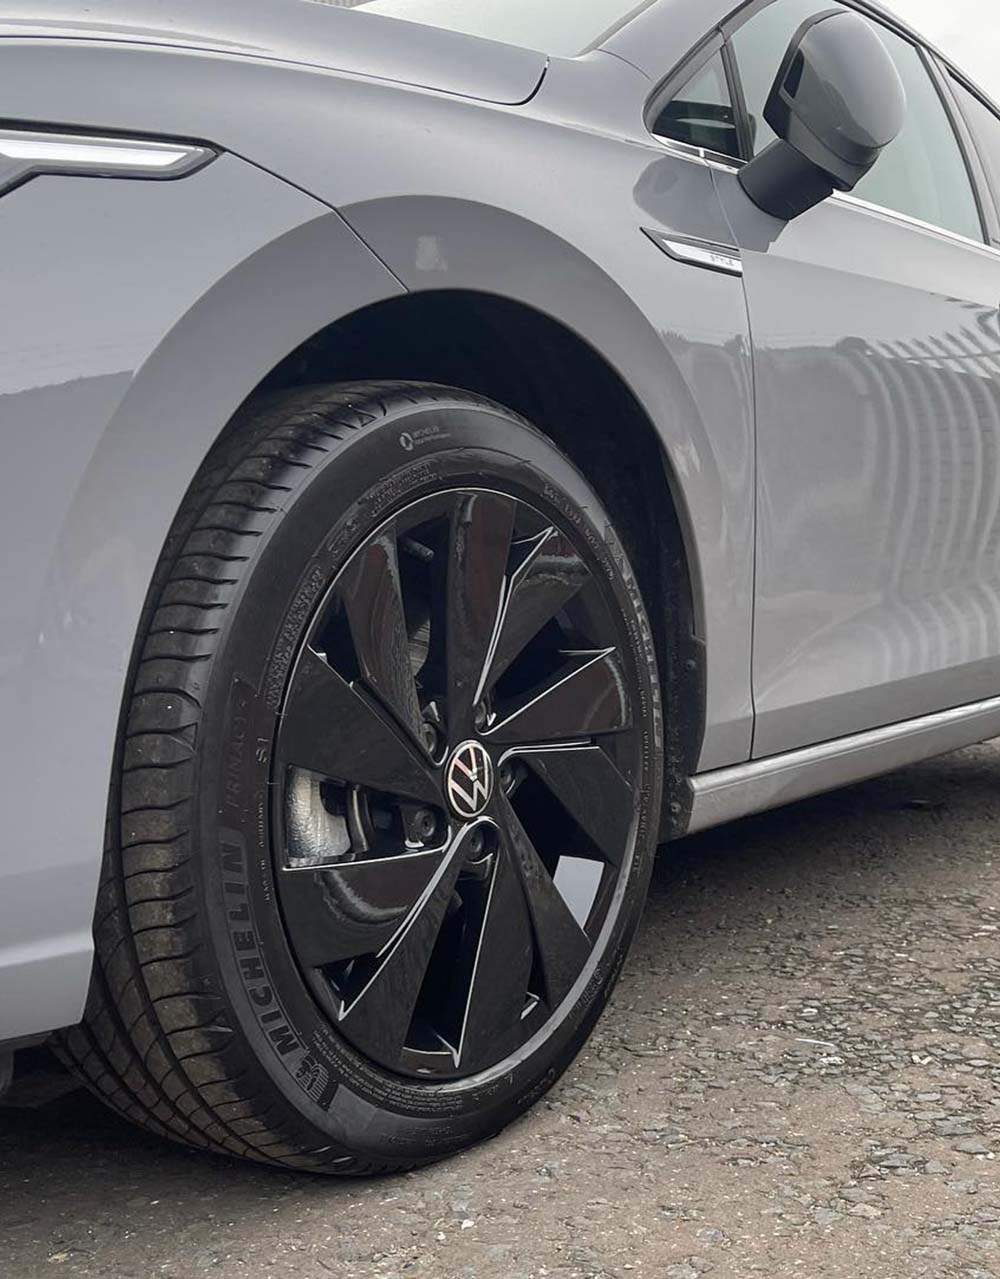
x=836, y=104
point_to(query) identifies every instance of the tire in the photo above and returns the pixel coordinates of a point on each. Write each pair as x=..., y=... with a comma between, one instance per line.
x=319, y=829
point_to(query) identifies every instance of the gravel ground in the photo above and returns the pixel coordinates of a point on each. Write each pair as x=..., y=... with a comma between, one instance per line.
x=800, y=1074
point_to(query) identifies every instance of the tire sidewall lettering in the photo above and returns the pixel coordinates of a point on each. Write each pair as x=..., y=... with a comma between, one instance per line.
x=273, y=1005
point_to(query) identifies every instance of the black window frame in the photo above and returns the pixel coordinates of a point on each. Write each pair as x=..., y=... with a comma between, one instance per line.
x=719, y=39
x=694, y=62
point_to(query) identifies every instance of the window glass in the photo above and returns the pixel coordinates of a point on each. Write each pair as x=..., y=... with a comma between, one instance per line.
x=701, y=113
x=985, y=127
x=923, y=173
x=561, y=27
x=760, y=45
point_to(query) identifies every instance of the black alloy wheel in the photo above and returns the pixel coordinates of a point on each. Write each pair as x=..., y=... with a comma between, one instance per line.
x=454, y=821
x=388, y=787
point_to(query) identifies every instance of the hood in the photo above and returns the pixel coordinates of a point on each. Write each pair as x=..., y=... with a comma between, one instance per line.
x=313, y=33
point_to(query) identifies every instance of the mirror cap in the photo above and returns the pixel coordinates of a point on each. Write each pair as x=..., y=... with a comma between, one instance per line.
x=838, y=99
x=837, y=103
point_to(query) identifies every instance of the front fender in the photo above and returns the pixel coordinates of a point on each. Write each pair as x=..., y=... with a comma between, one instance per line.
x=137, y=318
x=544, y=203
x=676, y=337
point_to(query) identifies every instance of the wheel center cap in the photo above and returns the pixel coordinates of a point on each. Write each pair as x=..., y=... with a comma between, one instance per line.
x=468, y=780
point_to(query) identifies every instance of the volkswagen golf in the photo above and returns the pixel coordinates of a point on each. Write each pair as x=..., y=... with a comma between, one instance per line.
x=449, y=451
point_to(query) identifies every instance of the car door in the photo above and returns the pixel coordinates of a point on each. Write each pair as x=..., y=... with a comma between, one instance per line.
x=875, y=326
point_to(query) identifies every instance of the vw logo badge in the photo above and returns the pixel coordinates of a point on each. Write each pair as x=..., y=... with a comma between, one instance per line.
x=469, y=780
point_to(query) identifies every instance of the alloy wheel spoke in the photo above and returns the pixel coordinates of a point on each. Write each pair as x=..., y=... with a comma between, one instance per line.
x=483, y=525
x=372, y=597
x=378, y=1017
x=561, y=944
x=549, y=576
x=591, y=789
x=500, y=968
x=330, y=727
x=441, y=907
x=587, y=697
x=354, y=908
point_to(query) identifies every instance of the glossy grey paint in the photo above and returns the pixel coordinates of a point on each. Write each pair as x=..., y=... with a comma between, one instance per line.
x=450, y=211
x=114, y=381
x=150, y=310
x=534, y=241
x=304, y=34
x=877, y=362
x=572, y=248
x=878, y=415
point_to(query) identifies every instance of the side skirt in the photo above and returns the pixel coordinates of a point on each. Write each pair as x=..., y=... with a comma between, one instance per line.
x=728, y=793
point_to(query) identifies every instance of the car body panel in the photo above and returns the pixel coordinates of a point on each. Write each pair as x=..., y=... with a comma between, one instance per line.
x=295, y=31
x=618, y=291
x=877, y=377
x=878, y=414
x=661, y=37
x=358, y=166
x=112, y=392
x=467, y=156
x=574, y=249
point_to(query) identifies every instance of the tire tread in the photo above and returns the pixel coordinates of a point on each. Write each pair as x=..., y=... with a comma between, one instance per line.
x=155, y=1043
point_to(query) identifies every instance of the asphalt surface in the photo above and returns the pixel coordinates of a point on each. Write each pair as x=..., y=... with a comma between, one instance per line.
x=799, y=1074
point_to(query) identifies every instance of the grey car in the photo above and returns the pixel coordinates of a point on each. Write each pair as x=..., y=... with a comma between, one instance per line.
x=448, y=451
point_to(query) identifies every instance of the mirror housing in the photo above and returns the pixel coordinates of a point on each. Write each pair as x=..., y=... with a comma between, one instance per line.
x=836, y=104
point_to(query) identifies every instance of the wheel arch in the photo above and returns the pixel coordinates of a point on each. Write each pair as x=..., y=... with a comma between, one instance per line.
x=521, y=357
x=299, y=303
x=537, y=366
x=120, y=452
x=484, y=342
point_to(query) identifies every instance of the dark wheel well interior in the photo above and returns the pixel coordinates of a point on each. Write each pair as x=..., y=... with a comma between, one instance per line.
x=532, y=364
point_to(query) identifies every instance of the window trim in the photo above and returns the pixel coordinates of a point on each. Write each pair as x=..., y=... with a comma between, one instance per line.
x=907, y=219
x=952, y=80
x=720, y=39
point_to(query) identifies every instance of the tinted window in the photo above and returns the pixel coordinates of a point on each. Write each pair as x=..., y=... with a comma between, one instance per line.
x=986, y=130
x=760, y=45
x=561, y=27
x=701, y=113
x=923, y=174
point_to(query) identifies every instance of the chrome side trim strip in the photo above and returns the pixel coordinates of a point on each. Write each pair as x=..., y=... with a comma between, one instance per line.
x=26, y=154
x=699, y=155
x=728, y=793
x=714, y=257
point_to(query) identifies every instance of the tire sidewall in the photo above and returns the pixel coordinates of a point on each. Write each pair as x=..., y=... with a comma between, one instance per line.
x=352, y=486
